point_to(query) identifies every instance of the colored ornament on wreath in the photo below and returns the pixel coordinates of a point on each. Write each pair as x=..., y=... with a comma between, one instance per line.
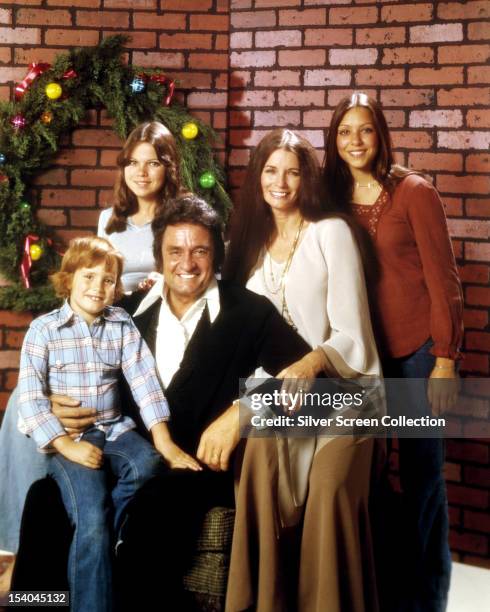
x=207, y=180
x=36, y=252
x=47, y=117
x=4, y=178
x=3, y=159
x=53, y=91
x=18, y=122
x=138, y=85
x=25, y=205
x=190, y=130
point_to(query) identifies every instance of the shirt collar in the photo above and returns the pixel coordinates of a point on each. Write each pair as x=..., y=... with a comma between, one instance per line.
x=211, y=295
x=110, y=313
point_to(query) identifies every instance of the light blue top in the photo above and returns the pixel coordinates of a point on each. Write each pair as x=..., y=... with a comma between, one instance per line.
x=136, y=245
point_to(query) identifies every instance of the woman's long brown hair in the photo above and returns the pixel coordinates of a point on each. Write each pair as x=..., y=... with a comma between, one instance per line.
x=125, y=202
x=252, y=225
x=338, y=180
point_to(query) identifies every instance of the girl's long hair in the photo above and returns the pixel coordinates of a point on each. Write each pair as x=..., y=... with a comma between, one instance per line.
x=252, y=225
x=338, y=180
x=125, y=202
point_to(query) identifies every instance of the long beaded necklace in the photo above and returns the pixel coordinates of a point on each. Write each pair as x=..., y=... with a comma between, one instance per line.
x=281, y=285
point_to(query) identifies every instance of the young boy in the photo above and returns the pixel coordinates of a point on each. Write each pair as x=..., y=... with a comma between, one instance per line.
x=80, y=350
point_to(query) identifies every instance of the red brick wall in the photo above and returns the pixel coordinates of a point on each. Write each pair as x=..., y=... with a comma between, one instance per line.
x=287, y=63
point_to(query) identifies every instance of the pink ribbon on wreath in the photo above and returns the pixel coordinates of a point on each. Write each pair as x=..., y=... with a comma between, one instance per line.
x=35, y=70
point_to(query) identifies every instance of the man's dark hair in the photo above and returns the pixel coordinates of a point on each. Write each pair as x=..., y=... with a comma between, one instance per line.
x=189, y=209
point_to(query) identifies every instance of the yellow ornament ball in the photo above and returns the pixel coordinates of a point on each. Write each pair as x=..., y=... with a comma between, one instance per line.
x=53, y=91
x=36, y=252
x=190, y=131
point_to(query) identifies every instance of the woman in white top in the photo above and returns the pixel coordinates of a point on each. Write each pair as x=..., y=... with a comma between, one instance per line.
x=148, y=176
x=285, y=246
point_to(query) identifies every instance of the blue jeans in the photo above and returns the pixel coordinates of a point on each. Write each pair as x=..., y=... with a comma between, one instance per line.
x=20, y=465
x=427, y=562
x=96, y=511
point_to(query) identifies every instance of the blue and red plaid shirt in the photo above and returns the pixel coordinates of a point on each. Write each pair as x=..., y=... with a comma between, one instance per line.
x=62, y=354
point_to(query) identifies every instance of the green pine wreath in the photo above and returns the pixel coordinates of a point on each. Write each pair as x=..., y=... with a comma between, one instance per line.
x=90, y=78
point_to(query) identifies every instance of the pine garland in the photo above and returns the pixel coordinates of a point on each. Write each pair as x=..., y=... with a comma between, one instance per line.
x=100, y=79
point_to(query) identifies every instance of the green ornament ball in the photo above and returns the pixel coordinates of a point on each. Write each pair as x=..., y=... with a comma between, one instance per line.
x=207, y=180
x=25, y=206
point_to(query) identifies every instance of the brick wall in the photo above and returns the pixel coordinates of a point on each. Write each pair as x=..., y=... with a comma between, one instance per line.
x=287, y=63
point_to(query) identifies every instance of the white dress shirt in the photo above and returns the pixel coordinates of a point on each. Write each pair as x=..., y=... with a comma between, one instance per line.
x=174, y=334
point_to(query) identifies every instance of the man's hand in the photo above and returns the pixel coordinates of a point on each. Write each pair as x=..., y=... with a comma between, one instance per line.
x=84, y=453
x=443, y=386
x=74, y=419
x=219, y=440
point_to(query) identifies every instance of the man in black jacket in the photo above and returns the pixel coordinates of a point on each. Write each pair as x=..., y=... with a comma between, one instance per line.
x=205, y=335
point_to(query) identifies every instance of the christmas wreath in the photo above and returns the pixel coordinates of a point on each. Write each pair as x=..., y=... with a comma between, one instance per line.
x=50, y=102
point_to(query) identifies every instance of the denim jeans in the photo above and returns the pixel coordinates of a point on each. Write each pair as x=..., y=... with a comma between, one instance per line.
x=427, y=561
x=21, y=465
x=96, y=511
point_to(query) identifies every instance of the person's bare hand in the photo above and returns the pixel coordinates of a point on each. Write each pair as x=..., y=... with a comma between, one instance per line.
x=443, y=390
x=146, y=284
x=72, y=416
x=83, y=452
x=219, y=440
x=177, y=458
x=299, y=376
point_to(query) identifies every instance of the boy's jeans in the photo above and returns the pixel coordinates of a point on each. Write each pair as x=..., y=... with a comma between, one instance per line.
x=96, y=511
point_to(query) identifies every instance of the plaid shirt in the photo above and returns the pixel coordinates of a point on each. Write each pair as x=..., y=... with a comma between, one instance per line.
x=62, y=354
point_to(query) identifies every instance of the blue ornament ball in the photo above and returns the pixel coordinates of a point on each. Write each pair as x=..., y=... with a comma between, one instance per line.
x=3, y=159
x=138, y=85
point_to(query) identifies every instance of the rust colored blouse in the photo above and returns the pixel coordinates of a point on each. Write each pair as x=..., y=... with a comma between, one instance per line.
x=417, y=294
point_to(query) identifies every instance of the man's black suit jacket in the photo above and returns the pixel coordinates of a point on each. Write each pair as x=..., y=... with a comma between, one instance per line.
x=248, y=332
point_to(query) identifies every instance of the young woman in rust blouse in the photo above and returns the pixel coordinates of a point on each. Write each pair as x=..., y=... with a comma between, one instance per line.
x=417, y=317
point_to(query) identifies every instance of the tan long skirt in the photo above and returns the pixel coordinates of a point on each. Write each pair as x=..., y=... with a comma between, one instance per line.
x=336, y=565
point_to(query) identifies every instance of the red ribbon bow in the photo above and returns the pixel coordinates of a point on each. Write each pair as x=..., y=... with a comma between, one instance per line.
x=163, y=80
x=35, y=70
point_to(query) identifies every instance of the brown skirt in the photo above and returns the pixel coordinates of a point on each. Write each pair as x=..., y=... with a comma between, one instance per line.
x=333, y=565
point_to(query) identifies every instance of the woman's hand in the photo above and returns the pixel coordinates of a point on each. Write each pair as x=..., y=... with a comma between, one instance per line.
x=300, y=375
x=443, y=387
x=74, y=419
